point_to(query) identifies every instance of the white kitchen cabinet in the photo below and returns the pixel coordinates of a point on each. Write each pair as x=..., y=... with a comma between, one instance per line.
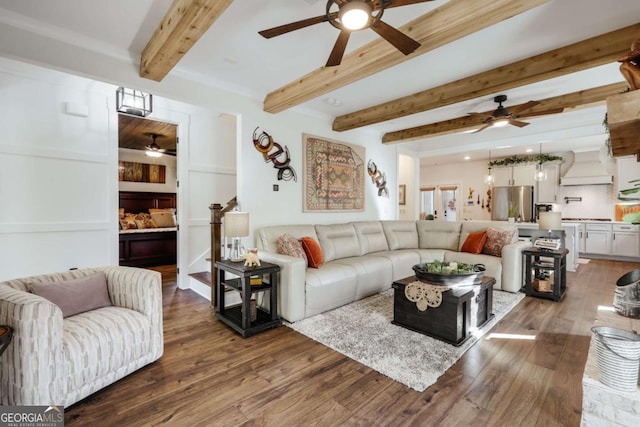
x=514, y=175
x=548, y=189
x=597, y=239
x=626, y=240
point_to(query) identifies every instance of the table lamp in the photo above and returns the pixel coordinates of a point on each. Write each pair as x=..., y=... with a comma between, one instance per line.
x=552, y=221
x=236, y=225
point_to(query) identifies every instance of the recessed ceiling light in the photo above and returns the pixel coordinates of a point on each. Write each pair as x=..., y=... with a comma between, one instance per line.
x=333, y=101
x=529, y=150
x=467, y=157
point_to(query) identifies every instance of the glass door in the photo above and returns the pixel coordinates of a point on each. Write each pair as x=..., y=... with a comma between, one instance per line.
x=439, y=202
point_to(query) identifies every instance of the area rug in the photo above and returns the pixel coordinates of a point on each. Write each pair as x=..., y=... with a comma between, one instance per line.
x=363, y=331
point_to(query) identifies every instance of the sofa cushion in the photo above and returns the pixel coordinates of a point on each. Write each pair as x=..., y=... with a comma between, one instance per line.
x=371, y=236
x=76, y=295
x=475, y=226
x=401, y=234
x=95, y=356
x=313, y=252
x=492, y=265
x=374, y=273
x=496, y=240
x=329, y=287
x=267, y=237
x=289, y=245
x=338, y=241
x=474, y=243
x=402, y=260
x=438, y=234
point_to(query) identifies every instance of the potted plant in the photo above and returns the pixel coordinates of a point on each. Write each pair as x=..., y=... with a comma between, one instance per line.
x=513, y=211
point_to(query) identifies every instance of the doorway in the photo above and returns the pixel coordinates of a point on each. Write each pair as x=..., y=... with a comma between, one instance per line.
x=439, y=202
x=148, y=193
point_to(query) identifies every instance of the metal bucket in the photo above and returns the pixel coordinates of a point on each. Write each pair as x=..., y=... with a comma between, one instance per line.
x=618, y=353
x=626, y=300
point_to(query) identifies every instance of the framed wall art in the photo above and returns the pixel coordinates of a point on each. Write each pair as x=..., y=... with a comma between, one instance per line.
x=402, y=194
x=334, y=173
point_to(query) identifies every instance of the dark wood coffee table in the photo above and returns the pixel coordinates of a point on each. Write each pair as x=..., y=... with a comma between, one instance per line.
x=452, y=321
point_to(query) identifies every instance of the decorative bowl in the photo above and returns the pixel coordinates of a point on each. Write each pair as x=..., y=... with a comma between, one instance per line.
x=449, y=273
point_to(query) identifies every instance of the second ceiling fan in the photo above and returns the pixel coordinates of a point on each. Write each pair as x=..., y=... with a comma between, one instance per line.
x=502, y=116
x=354, y=15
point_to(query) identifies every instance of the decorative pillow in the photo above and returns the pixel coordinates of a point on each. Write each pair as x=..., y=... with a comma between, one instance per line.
x=121, y=213
x=164, y=219
x=76, y=295
x=313, y=250
x=128, y=222
x=172, y=211
x=496, y=240
x=289, y=245
x=475, y=242
x=146, y=223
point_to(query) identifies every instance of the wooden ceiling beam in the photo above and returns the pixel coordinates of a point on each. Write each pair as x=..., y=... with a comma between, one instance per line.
x=599, y=50
x=573, y=100
x=182, y=26
x=451, y=21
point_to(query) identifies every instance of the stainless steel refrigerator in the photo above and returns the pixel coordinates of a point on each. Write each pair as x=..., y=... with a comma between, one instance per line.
x=514, y=201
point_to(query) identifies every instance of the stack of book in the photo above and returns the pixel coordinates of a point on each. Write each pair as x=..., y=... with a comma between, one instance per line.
x=255, y=280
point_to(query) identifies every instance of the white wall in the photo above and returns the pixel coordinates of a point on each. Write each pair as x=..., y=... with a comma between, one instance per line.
x=407, y=176
x=56, y=172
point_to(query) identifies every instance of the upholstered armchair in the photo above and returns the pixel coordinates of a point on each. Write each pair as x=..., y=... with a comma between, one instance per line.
x=59, y=359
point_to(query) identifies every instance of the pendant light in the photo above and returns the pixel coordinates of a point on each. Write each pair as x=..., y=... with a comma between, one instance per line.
x=541, y=173
x=489, y=179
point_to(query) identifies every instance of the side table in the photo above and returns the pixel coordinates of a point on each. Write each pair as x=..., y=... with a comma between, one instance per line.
x=239, y=317
x=545, y=273
x=5, y=337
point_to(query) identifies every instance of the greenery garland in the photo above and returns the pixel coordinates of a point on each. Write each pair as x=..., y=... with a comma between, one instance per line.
x=514, y=160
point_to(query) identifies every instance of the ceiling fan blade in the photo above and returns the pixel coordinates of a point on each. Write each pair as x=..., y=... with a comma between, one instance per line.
x=396, y=3
x=401, y=41
x=482, y=128
x=523, y=107
x=292, y=26
x=518, y=123
x=338, y=49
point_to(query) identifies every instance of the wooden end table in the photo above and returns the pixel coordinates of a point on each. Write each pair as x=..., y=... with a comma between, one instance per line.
x=239, y=317
x=542, y=267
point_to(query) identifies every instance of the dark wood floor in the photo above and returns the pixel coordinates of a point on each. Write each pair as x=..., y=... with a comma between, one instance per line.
x=211, y=376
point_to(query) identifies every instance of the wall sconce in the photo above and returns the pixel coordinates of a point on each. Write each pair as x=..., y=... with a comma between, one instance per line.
x=236, y=225
x=133, y=102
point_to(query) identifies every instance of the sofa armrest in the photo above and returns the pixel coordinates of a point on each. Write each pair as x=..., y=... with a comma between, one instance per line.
x=512, y=279
x=140, y=290
x=291, y=284
x=32, y=367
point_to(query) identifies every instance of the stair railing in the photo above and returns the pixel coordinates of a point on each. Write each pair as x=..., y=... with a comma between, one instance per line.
x=217, y=213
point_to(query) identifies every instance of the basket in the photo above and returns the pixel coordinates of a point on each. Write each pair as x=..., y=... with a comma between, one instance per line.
x=618, y=355
x=444, y=279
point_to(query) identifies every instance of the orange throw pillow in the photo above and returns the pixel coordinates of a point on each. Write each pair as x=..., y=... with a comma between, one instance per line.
x=474, y=243
x=313, y=251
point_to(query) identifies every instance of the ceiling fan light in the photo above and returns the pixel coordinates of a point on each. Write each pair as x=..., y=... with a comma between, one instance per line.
x=152, y=153
x=355, y=15
x=500, y=123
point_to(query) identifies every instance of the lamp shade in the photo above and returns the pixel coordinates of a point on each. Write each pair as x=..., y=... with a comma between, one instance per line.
x=550, y=221
x=236, y=224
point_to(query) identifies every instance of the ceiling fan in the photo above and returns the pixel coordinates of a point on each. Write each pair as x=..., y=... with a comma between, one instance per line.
x=354, y=15
x=153, y=149
x=502, y=116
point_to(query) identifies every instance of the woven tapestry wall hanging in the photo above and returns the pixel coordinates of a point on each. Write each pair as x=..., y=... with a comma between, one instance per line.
x=141, y=172
x=333, y=175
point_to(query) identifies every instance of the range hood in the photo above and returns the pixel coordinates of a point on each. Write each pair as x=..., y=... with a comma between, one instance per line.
x=587, y=169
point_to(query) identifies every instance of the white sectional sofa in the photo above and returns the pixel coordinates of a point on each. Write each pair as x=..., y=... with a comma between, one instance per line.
x=364, y=258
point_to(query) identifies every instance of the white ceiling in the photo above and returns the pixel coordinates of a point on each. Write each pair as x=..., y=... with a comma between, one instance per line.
x=232, y=55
